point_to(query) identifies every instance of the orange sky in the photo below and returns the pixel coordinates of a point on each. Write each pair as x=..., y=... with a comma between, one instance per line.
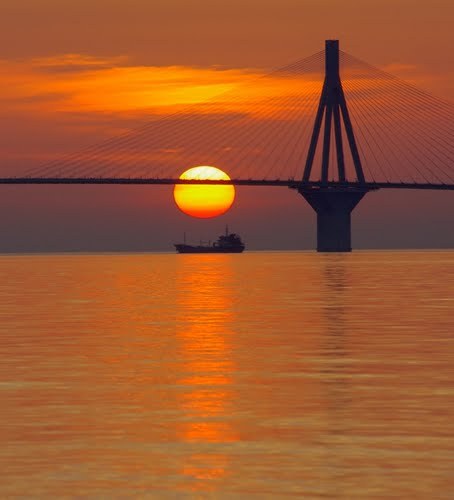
x=78, y=71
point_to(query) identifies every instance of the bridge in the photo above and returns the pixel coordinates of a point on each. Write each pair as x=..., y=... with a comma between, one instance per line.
x=331, y=127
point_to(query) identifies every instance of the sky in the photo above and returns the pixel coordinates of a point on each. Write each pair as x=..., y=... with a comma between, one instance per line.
x=77, y=72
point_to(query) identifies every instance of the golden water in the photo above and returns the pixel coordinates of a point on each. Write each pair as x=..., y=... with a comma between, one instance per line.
x=262, y=375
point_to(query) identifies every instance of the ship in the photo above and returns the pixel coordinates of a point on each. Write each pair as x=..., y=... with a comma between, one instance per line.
x=226, y=243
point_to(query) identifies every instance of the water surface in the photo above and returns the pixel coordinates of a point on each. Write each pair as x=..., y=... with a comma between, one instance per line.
x=262, y=375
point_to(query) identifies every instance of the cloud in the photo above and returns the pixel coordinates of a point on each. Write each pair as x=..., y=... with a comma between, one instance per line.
x=76, y=63
x=77, y=83
x=439, y=83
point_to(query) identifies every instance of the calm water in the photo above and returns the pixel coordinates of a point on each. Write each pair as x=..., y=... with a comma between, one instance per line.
x=261, y=375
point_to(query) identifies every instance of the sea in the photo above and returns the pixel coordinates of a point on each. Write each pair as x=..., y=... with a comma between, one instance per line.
x=261, y=375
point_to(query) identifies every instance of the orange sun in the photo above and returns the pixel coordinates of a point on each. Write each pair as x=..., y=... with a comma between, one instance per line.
x=200, y=200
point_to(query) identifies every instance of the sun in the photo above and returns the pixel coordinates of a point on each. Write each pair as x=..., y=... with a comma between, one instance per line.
x=204, y=201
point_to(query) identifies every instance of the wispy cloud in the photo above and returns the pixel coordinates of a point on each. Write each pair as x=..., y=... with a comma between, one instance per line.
x=78, y=83
x=76, y=63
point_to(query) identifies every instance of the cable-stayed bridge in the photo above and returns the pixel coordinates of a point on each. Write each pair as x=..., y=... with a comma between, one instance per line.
x=329, y=126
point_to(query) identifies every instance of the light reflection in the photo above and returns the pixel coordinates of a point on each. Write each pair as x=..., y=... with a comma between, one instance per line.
x=335, y=310
x=205, y=337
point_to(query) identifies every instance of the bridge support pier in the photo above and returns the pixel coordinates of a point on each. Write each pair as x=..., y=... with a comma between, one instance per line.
x=333, y=210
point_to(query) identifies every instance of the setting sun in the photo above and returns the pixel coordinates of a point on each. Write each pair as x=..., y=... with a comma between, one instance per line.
x=204, y=201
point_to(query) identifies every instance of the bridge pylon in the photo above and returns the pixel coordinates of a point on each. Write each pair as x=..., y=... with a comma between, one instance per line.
x=333, y=204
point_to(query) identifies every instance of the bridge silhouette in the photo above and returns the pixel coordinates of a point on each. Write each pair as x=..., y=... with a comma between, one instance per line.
x=330, y=126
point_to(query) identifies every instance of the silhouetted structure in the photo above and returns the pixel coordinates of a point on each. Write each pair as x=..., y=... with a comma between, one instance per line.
x=404, y=140
x=226, y=243
x=333, y=204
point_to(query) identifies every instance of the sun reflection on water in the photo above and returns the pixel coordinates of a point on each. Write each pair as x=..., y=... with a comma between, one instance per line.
x=205, y=333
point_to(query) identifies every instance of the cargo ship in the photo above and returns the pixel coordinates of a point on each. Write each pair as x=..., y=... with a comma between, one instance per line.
x=226, y=243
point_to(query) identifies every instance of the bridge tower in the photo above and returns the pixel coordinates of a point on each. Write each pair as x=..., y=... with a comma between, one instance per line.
x=333, y=203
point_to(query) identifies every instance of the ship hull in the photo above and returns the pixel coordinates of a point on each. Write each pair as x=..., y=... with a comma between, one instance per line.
x=181, y=248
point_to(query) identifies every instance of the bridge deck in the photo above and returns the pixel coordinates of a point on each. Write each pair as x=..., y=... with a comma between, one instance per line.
x=290, y=183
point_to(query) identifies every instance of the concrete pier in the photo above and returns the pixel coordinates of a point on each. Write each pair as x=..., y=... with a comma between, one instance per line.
x=333, y=210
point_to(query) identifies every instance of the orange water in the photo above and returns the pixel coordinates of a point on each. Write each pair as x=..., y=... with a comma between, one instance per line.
x=262, y=375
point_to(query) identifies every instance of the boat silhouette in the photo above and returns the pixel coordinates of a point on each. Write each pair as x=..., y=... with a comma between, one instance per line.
x=226, y=243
